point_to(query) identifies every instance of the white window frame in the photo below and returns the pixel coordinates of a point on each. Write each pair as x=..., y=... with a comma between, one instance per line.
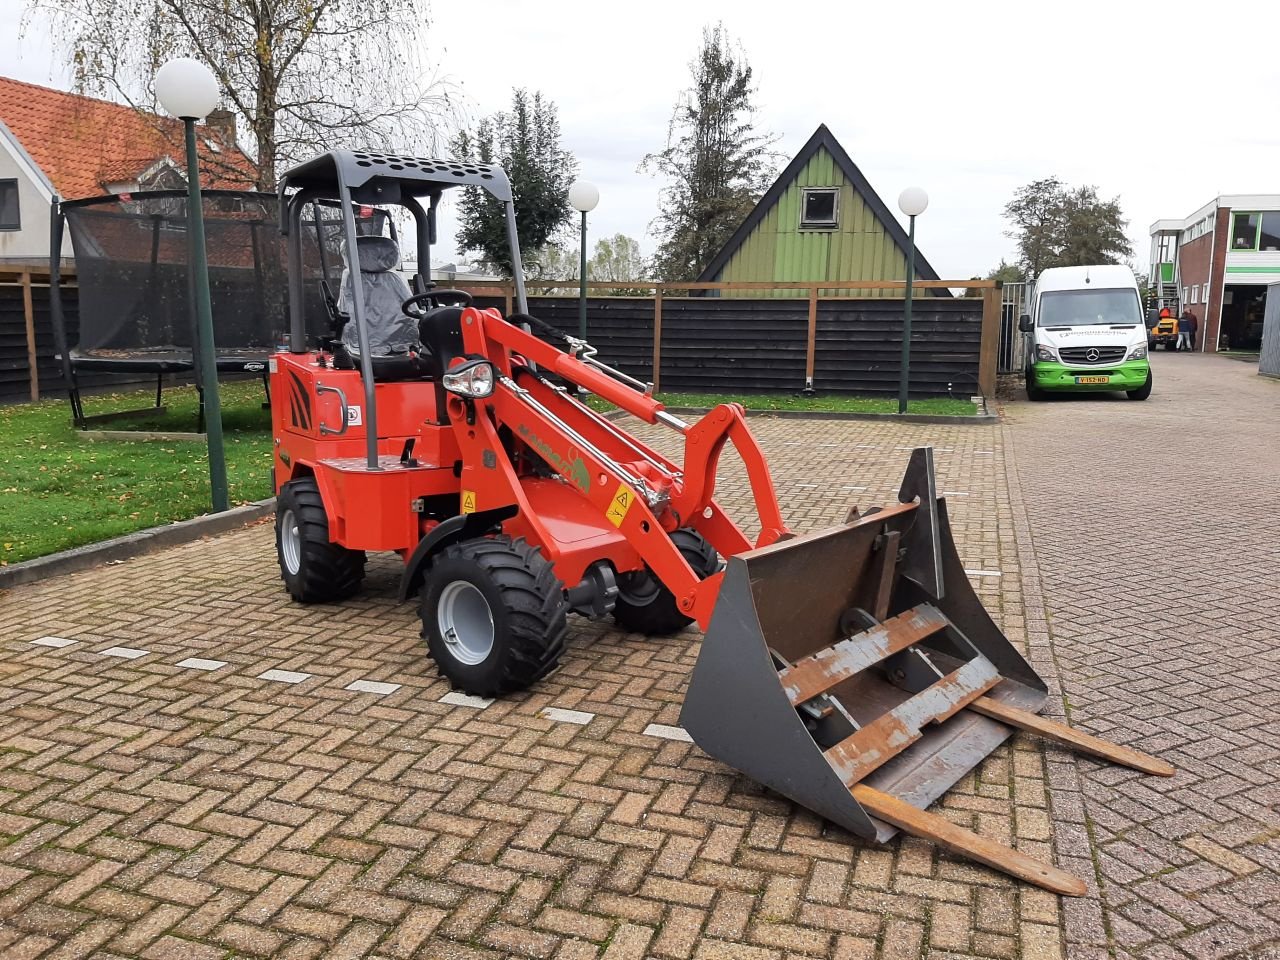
x=831, y=224
x=1195, y=293
x=1186, y=291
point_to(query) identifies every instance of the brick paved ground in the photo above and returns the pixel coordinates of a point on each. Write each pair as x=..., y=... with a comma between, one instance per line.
x=157, y=810
x=1156, y=538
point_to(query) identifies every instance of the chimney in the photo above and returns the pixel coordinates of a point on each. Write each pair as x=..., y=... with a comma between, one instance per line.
x=224, y=123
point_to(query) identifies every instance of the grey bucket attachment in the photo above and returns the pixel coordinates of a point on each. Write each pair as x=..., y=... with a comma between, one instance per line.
x=855, y=671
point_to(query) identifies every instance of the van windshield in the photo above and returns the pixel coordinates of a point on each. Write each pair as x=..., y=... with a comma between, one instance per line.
x=1079, y=308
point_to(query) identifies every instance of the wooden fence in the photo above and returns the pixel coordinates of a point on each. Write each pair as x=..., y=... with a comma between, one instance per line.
x=826, y=337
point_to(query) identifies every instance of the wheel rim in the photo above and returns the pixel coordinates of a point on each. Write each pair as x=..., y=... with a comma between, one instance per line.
x=638, y=588
x=465, y=622
x=290, y=542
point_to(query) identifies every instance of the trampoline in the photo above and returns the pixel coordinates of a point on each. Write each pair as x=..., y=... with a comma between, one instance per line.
x=135, y=295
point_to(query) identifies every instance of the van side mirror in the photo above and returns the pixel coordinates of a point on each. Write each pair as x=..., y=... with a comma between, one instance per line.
x=1024, y=323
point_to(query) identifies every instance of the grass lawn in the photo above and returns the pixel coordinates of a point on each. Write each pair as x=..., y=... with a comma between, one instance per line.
x=58, y=490
x=934, y=406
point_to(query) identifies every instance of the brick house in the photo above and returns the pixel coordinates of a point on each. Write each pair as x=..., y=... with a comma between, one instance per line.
x=60, y=145
x=1218, y=262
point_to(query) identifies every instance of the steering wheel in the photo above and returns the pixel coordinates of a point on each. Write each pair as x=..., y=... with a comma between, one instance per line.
x=418, y=305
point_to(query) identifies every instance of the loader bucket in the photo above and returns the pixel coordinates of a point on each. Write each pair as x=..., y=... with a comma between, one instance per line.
x=855, y=671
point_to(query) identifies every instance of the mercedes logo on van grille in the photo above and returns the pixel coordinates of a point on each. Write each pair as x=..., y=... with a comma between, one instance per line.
x=1093, y=355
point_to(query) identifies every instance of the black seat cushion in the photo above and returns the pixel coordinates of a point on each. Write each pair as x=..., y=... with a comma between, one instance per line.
x=386, y=369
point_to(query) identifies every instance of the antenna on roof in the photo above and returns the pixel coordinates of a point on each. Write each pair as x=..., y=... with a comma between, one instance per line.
x=1086, y=275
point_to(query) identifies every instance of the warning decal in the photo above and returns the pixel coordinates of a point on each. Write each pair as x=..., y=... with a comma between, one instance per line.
x=620, y=504
x=468, y=501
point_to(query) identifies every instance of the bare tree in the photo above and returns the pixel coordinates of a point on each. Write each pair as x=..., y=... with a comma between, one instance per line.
x=299, y=75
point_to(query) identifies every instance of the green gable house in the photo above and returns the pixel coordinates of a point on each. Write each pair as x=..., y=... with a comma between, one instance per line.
x=821, y=220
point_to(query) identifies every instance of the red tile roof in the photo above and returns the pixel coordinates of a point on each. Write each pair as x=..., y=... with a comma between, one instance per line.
x=82, y=143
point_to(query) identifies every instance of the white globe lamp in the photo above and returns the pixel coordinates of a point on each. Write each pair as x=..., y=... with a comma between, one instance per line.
x=186, y=88
x=913, y=201
x=583, y=196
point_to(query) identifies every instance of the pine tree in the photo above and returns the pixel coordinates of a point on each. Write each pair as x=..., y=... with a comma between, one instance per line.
x=525, y=142
x=716, y=164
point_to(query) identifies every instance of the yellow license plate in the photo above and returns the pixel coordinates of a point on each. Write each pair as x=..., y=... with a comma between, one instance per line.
x=1093, y=379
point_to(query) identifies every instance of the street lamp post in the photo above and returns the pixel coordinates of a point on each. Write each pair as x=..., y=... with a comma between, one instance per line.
x=912, y=202
x=188, y=90
x=583, y=197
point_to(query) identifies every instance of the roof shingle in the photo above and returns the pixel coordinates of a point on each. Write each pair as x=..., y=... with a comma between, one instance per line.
x=82, y=143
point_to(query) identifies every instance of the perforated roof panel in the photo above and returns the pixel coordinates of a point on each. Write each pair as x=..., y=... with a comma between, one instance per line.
x=416, y=175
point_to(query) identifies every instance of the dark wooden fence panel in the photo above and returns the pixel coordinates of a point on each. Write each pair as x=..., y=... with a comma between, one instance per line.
x=621, y=328
x=709, y=344
x=726, y=345
x=15, y=379
x=713, y=344
x=858, y=347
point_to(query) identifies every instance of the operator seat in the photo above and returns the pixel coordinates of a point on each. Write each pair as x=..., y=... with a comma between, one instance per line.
x=393, y=335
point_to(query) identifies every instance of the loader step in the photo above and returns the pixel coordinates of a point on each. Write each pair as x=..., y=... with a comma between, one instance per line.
x=832, y=665
x=863, y=751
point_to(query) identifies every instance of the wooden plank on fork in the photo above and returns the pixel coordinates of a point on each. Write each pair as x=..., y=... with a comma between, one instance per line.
x=939, y=830
x=863, y=751
x=832, y=665
x=1070, y=737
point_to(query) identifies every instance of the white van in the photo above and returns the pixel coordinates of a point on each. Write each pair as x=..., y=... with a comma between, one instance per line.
x=1086, y=331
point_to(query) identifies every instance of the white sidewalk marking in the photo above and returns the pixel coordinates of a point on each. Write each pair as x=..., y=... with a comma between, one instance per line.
x=664, y=732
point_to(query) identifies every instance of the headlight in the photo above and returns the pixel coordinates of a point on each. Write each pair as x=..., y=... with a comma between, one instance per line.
x=1046, y=353
x=1139, y=352
x=474, y=379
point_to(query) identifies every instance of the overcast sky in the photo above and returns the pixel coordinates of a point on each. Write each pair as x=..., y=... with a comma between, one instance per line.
x=1165, y=105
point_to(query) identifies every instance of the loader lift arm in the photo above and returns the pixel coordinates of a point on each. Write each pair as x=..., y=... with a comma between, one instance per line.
x=642, y=493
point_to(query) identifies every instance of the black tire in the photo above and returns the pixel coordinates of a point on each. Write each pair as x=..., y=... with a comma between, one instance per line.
x=1035, y=394
x=1142, y=392
x=645, y=605
x=526, y=610
x=314, y=570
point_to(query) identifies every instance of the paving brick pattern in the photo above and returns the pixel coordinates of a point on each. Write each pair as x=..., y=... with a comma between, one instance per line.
x=1152, y=580
x=154, y=810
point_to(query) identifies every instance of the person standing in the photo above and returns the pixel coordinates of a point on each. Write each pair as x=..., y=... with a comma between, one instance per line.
x=1195, y=327
x=1185, y=326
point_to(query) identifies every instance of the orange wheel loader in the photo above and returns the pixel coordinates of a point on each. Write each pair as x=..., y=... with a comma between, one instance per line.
x=852, y=670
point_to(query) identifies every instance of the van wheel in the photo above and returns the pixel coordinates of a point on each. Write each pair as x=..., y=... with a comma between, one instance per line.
x=1035, y=394
x=1142, y=392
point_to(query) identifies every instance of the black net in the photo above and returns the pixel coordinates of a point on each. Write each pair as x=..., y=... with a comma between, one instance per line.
x=135, y=293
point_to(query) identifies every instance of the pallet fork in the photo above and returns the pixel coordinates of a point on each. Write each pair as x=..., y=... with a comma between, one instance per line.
x=855, y=671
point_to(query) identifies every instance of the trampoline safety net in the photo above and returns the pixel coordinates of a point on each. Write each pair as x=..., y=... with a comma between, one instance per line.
x=135, y=288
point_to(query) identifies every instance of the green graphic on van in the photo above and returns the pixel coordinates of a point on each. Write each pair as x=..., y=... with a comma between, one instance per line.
x=575, y=472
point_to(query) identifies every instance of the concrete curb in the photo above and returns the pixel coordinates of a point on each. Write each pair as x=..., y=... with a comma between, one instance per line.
x=133, y=544
x=988, y=419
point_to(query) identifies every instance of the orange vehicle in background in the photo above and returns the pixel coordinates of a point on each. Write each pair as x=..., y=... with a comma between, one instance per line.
x=1164, y=330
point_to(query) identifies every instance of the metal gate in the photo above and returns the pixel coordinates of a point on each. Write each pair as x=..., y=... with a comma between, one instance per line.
x=1013, y=343
x=1269, y=360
